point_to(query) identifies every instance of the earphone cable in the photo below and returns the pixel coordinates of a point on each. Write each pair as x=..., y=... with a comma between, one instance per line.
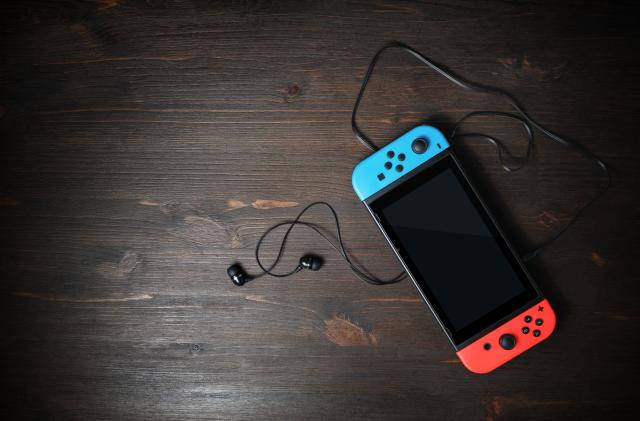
x=339, y=247
x=521, y=116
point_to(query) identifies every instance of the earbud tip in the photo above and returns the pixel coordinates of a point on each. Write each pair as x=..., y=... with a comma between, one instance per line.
x=233, y=269
x=316, y=263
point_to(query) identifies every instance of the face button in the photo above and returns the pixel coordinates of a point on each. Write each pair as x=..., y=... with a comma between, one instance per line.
x=399, y=168
x=527, y=319
x=390, y=154
x=508, y=341
x=401, y=157
x=419, y=146
x=487, y=346
x=525, y=330
x=388, y=165
x=539, y=322
x=536, y=333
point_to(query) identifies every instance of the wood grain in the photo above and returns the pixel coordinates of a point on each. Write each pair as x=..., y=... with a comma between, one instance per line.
x=146, y=145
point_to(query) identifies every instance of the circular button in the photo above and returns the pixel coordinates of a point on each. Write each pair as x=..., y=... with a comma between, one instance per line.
x=401, y=157
x=390, y=154
x=536, y=333
x=525, y=330
x=507, y=341
x=539, y=322
x=527, y=319
x=388, y=165
x=487, y=346
x=419, y=146
x=399, y=168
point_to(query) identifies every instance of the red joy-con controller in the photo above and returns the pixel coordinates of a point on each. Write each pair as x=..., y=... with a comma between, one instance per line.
x=511, y=339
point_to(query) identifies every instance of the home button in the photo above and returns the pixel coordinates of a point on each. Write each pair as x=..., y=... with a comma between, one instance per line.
x=507, y=341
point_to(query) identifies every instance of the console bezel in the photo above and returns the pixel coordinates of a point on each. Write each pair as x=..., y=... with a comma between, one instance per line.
x=496, y=317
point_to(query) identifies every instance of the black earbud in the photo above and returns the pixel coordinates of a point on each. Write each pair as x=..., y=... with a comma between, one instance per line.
x=237, y=274
x=311, y=262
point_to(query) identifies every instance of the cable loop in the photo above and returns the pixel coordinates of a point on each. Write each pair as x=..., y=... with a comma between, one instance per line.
x=339, y=247
x=521, y=115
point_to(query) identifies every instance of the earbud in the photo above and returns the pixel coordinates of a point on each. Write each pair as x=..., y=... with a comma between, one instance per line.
x=237, y=274
x=310, y=262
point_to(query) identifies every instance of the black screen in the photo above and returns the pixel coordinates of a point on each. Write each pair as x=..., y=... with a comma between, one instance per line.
x=453, y=249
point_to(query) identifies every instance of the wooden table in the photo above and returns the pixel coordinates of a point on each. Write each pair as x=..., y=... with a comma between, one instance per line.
x=146, y=145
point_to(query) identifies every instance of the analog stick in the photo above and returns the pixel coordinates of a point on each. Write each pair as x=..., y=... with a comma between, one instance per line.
x=419, y=146
x=507, y=341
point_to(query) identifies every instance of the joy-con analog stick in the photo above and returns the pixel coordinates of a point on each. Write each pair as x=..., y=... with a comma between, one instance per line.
x=507, y=341
x=419, y=146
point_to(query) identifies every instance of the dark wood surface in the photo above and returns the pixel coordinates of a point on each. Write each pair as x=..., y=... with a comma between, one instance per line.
x=145, y=146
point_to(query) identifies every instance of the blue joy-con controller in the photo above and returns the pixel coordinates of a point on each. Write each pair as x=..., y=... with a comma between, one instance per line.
x=397, y=159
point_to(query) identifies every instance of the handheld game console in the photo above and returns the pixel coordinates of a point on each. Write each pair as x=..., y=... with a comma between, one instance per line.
x=452, y=248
